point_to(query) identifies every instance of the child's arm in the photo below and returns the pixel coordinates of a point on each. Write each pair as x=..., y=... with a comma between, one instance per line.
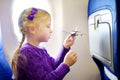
x=56, y=62
x=69, y=41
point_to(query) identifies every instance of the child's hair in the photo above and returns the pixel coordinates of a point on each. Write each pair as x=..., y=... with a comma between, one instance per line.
x=27, y=17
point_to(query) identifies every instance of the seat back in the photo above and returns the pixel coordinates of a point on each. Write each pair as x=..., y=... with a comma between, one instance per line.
x=104, y=33
x=5, y=70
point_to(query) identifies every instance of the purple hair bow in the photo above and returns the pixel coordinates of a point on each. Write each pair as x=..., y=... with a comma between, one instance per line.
x=31, y=15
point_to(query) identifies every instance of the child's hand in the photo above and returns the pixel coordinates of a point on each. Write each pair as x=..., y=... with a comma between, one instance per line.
x=69, y=41
x=70, y=58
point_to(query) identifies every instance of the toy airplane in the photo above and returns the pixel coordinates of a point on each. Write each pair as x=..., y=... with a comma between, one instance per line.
x=75, y=32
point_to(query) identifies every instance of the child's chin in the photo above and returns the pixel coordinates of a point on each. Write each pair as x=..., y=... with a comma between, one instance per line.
x=46, y=40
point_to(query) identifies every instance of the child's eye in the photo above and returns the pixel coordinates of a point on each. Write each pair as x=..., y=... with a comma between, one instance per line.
x=48, y=26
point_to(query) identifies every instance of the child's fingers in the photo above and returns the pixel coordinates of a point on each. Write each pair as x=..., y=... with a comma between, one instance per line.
x=74, y=56
x=72, y=38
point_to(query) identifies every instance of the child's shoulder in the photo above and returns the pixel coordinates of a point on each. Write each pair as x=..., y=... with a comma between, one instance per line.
x=27, y=48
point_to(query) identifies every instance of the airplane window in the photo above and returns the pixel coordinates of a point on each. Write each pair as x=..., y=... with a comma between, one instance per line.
x=20, y=5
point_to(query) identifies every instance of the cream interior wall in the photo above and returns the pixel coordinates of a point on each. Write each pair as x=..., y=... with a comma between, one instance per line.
x=8, y=37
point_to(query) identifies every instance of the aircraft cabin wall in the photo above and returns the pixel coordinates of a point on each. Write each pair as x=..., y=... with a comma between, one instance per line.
x=66, y=14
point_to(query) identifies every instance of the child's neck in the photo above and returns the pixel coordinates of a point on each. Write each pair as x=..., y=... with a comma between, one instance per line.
x=33, y=42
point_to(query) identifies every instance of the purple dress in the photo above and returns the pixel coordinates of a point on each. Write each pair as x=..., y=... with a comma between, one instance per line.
x=35, y=64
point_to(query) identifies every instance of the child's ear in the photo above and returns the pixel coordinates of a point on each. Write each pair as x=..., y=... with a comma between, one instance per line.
x=31, y=29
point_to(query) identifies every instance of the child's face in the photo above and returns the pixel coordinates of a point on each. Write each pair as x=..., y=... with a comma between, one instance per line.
x=44, y=31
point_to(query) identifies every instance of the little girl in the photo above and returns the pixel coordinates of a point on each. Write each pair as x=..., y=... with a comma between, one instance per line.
x=31, y=62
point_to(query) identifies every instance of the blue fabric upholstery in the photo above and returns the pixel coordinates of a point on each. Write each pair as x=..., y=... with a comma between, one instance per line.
x=5, y=70
x=114, y=7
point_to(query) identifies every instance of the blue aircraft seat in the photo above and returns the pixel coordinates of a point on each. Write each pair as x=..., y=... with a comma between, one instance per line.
x=104, y=37
x=5, y=70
